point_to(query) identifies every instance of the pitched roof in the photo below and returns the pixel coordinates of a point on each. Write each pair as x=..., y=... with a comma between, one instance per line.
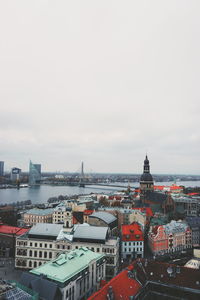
x=132, y=232
x=5, y=229
x=122, y=286
x=46, y=229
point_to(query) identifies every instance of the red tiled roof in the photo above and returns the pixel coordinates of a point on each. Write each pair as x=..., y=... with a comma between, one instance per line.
x=88, y=212
x=171, y=187
x=132, y=232
x=147, y=210
x=12, y=230
x=122, y=286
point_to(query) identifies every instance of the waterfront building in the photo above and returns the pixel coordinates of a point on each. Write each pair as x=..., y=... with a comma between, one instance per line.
x=145, y=279
x=37, y=215
x=132, y=241
x=77, y=273
x=34, y=173
x=170, y=238
x=1, y=168
x=15, y=175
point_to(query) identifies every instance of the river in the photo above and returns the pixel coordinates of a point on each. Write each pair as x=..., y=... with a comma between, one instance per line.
x=40, y=194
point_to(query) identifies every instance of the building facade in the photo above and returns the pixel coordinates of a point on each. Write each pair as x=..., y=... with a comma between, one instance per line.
x=77, y=273
x=34, y=173
x=170, y=238
x=36, y=215
x=132, y=242
x=194, y=223
x=15, y=175
x=46, y=241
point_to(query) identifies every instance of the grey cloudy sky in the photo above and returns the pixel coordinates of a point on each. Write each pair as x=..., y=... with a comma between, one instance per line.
x=100, y=81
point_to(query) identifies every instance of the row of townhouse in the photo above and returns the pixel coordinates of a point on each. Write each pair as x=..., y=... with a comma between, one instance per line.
x=173, y=237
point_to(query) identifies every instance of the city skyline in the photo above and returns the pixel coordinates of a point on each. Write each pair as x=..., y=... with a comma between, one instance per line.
x=102, y=83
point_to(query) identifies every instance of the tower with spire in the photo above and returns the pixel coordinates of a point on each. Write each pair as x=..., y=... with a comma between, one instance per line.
x=146, y=179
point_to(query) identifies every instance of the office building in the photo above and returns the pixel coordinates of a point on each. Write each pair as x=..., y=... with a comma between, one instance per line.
x=34, y=173
x=15, y=175
x=1, y=168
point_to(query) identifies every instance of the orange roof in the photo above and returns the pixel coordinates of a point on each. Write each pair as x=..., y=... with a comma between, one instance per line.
x=12, y=230
x=132, y=232
x=147, y=210
x=122, y=286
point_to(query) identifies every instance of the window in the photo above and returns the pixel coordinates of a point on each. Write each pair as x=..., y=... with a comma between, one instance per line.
x=45, y=254
x=30, y=264
x=35, y=244
x=50, y=246
x=31, y=244
x=97, y=249
x=45, y=245
x=35, y=264
x=50, y=254
x=40, y=245
x=35, y=253
x=40, y=253
x=30, y=253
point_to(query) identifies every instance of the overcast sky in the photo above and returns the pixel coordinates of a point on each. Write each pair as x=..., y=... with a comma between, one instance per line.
x=100, y=81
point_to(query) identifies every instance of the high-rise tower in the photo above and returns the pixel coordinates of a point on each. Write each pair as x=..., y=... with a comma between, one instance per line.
x=1, y=168
x=34, y=173
x=146, y=179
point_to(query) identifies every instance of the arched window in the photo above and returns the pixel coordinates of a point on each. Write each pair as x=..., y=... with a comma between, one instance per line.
x=30, y=264
x=35, y=264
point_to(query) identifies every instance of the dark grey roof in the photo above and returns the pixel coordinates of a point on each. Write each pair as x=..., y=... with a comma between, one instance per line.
x=46, y=289
x=104, y=216
x=146, y=177
x=46, y=229
x=90, y=232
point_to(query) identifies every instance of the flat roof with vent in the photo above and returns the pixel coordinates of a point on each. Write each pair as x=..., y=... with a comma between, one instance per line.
x=67, y=265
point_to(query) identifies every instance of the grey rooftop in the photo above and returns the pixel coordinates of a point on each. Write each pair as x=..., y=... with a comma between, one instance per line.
x=104, y=216
x=90, y=232
x=46, y=229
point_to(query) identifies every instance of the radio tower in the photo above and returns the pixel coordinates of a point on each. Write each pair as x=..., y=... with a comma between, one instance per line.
x=81, y=182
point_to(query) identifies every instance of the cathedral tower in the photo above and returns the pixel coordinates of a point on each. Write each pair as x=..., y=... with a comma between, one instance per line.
x=146, y=179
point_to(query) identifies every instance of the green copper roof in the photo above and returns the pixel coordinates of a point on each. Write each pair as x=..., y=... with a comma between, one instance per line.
x=67, y=265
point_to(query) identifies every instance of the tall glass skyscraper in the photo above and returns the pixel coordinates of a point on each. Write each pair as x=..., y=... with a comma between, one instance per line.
x=1, y=168
x=34, y=173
